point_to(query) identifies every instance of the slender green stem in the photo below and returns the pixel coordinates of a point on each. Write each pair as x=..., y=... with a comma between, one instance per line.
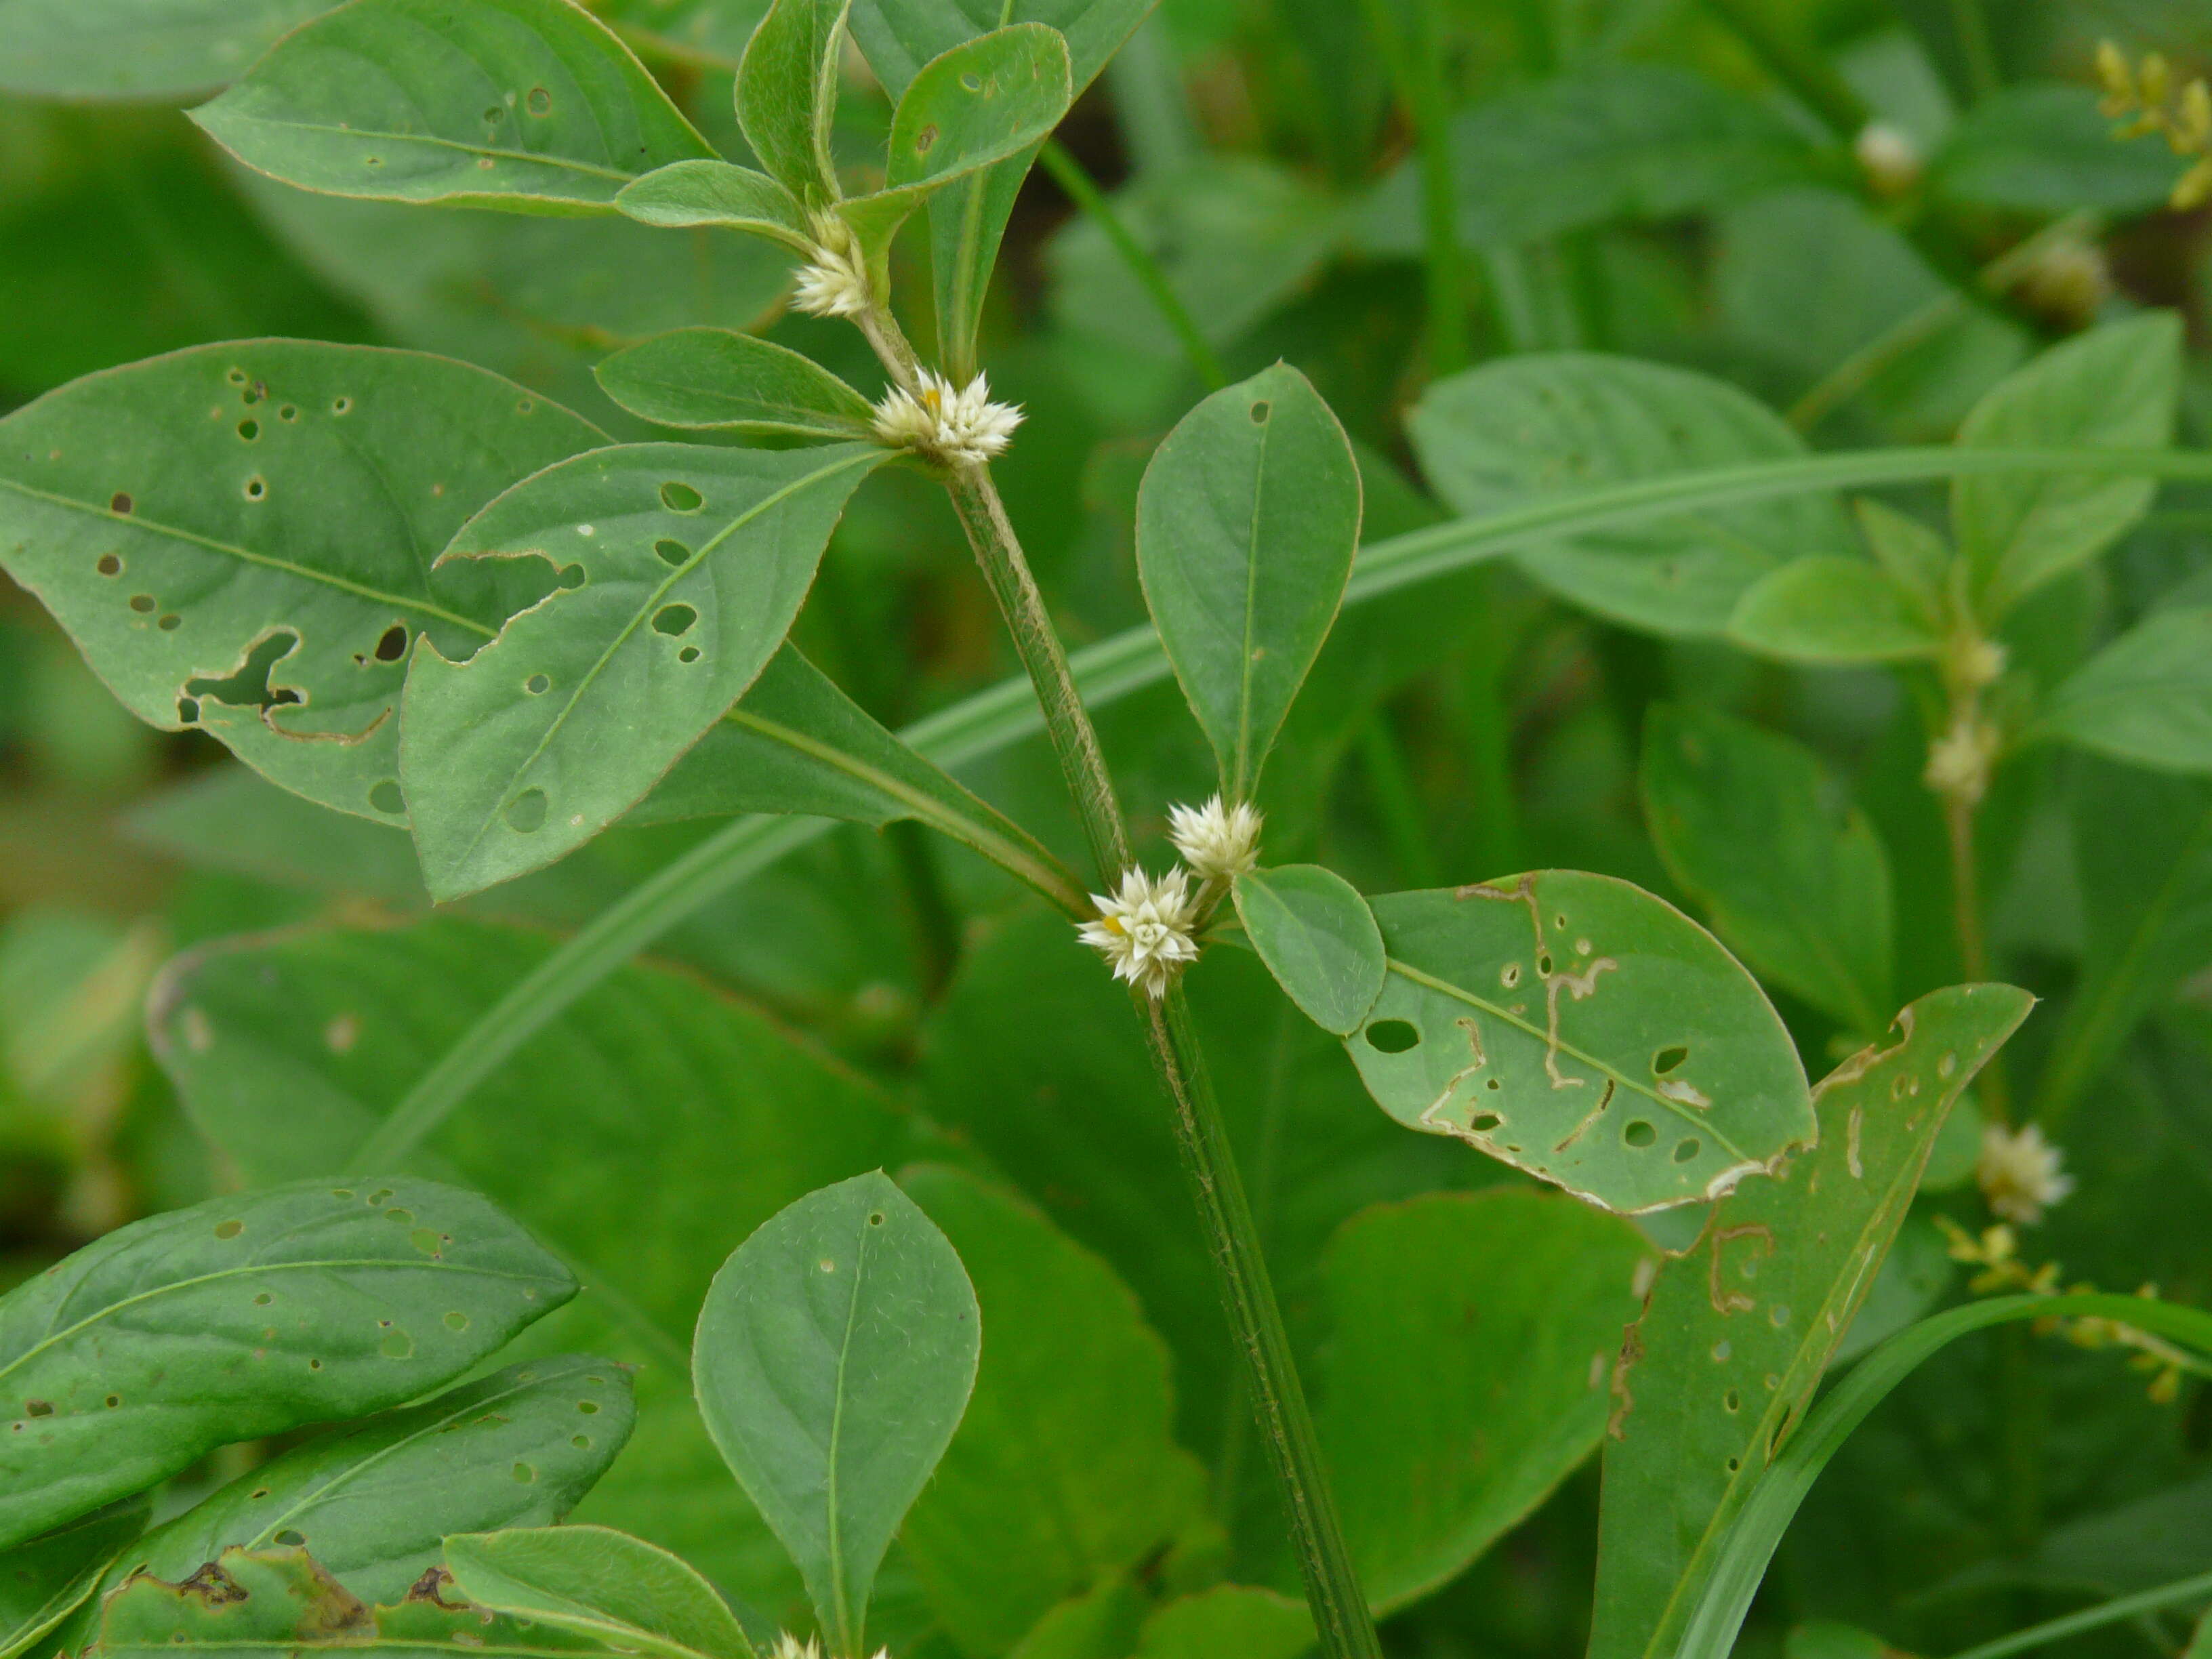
x=2195, y=1588
x=1418, y=69
x=1068, y=172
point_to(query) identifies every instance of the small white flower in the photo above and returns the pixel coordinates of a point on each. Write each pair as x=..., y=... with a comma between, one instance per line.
x=959, y=427
x=2068, y=280
x=1217, y=841
x=833, y=282
x=1888, y=156
x=2021, y=1173
x=1144, y=931
x=789, y=1646
x=1959, y=761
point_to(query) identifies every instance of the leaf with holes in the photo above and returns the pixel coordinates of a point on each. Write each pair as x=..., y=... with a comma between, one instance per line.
x=787, y=94
x=1581, y=1029
x=240, y=538
x=44, y=1582
x=682, y=568
x=835, y=1356
x=248, y=1316
x=1513, y=1301
x=136, y=48
x=529, y=105
x=620, y=1590
x=717, y=380
x=1318, y=938
x=1246, y=527
x=1793, y=877
x=1528, y=427
x=686, y=193
x=1001, y=1534
x=796, y=744
x=1736, y=1334
x=374, y=1500
x=2113, y=388
x=2146, y=697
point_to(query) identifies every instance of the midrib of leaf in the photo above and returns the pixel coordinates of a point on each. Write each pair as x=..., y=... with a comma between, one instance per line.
x=1560, y=1045
x=431, y=140
x=248, y=557
x=847, y=1628
x=1242, y=780
x=637, y=619
x=158, y=1291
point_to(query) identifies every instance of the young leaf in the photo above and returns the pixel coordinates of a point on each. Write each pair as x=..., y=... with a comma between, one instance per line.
x=1318, y=938
x=796, y=744
x=717, y=380
x=44, y=1582
x=619, y=1591
x=1581, y=1029
x=1252, y=1624
x=1795, y=881
x=693, y=563
x=835, y=1356
x=531, y=106
x=787, y=95
x=1916, y=555
x=238, y=538
x=2146, y=697
x=1512, y=1298
x=136, y=48
x=1246, y=527
x=975, y=104
x=686, y=193
x=1000, y=1535
x=374, y=1500
x=1735, y=1335
x=1529, y=427
x=2113, y=388
x=248, y=1316
x=1831, y=608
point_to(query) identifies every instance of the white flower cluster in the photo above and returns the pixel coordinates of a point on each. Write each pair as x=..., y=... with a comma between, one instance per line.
x=789, y=1646
x=1146, y=929
x=956, y=425
x=1891, y=161
x=834, y=282
x=2021, y=1174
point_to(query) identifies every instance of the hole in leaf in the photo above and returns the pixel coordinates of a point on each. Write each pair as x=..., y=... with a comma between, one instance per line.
x=540, y=101
x=537, y=685
x=247, y=686
x=142, y=602
x=110, y=564
x=525, y=1474
x=1544, y=964
x=120, y=502
x=1510, y=975
x=228, y=1229
x=264, y=1299
x=924, y=139
x=236, y=376
x=1639, y=1133
x=289, y=412
x=689, y=653
x=875, y=1218
x=571, y=577
x=257, y=488
x=188, y=711
x=494, y=115
x=1667, y=1059
x=249, y=430
x=1260, y=411
x=526, y=813
x=341, y=406
x=581, y=1441
x=1732, y=1400
x=314, y=1365
x=674, y=619
x=1493, y=1084
x=671, y=550
x=681, y=497
x=386, y=798
x=1685, y=1150
x=1484, y=1123
x=113, y=1401
x=170, y=624
x=1392, y=1036
x=457, y=1321
x=290, y=1538
x=38, y=1408
x=397, y=1345
x=391, y=645
x=589, y=1407
x=972, y=82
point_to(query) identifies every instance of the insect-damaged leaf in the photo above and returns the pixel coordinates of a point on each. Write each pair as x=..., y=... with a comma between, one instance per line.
x=1583, y=1030
x=241, y=536
x=44, y=1582
x=688, y=565
x=533, y=105
x=248, y=1316
x=834, y=1356
x=1736, y=1334
x=1246, y=527
x=595, y=1582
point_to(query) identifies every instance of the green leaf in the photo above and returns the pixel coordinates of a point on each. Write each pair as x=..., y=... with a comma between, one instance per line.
x=136, y=48
x=239, y=538
x=1528, y=427
x=2044, y=146
x=287, y=1053
x=248, y=1316
x=374, y=1500
x=1318, y=938
x=1064, y=1471
x=1834, y=609
x=787, y=95
x=529, y=105
x=2146, y=697
x=1736, y=1334
x=977, y=103
x=2113, y=388
x=607, y=1585
x=1795, y=878
x=42, y=1583
x=717, y=380
x=1579, y=1029
x=693, y=560
x=1509, y=1297
x=1252, y=1624
x=708, y=34
x=685, y=193
x=1246, y=527
x=1916, y=556
x=1101, y=1624
x=835, y=1356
